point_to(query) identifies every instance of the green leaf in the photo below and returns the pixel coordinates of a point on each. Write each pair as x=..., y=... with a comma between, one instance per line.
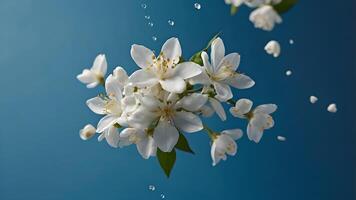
x=196, y=58
x=284, y=6
x=183, y=144
x=166, y=160
x=233, y=10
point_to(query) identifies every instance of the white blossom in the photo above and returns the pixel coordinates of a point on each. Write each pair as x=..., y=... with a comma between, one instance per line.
x=95, y=75
x=223, y=144
x=87, y=132
x=259, y=118
x=265, y=17
x=221, y=72
x=170, y=114
x=273, y=48
x=164, y=69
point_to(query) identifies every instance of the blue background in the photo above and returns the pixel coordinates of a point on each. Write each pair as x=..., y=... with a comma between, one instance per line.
x=44, y=44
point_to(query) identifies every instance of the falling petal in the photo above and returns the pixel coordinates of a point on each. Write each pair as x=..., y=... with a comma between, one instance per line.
x=313, y=99
x=197, y=6
x=281, y=138
x=289, y=72
x=332, y=108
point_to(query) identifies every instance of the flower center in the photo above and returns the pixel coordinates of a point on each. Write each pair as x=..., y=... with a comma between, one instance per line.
x=112, y=107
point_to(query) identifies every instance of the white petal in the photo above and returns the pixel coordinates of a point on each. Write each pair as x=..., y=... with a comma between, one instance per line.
x=254, y=133
x=266, y=108
x=150, y=102
x=219, y=109
x=273, y=47
x=217, y=52
x=143, y=78
x=207, y=65
x=125, y=137
x=101, y=137
x=187, y=122
x=112, y=136
x=112, y=87
x=202, y=78
x=240, y=81
x=171, y=49
x=214, y=155
x=223, y=91
x=106, y=122
x=242, y=107
x=230, y=61
x=97, y=105
x=173, y=84
x=207, y=111
x=100, y=65
x=332, y=108
x=87, y=77
x=193, y=102
x=187, y=70
x=87, y=132
x=141, y=118
x=233, y=133
x=142, y=56
x=166, y=136
x=225, y=143
x=147, y=147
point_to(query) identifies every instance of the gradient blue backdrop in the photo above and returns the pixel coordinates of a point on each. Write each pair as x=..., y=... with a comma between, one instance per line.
x=44, y=44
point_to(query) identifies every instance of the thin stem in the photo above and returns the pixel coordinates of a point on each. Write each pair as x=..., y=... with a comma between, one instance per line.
x=210, y=132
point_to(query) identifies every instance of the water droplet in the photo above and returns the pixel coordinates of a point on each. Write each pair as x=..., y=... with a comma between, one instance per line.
x=154, y=38
x=197, y=6
x=150, y=24
x=147, y=17
x=288, y=72
x=152, y=187
x=144, y=6
x=171, y=22
x=291, y=41
x=162, y=196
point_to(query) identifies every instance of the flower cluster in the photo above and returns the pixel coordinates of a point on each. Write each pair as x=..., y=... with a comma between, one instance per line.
x=158, y=104
x=266, y=13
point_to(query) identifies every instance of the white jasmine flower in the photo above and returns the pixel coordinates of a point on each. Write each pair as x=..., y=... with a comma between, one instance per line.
x=221, y=73
x=145, y=143
x=110, y=106
x=164, y=69
x=87, y=132
x=95, y=75
x=259, y=118
x=265, y=17
x=313, y=99
x=332, y=108
x=171, y=115
x=273, y=48
x=224, y=144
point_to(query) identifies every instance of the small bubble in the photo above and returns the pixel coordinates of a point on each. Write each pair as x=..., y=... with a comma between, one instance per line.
x=150, y=24
x=154, y=38
x=152, y=187
x=144, y=6
x=162, y=196
x=147, y=17
x=291, y=41
x=171, y=22
x=197, y=6
x=288, y=72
